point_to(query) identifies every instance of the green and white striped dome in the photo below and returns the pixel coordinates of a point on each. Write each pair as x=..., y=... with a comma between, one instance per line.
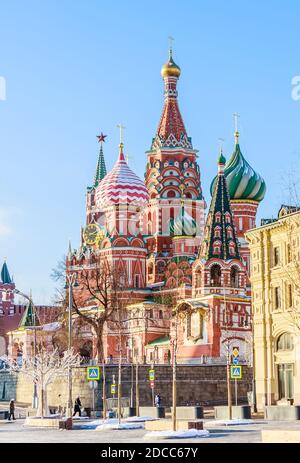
x=242, y=180
x=184, y=224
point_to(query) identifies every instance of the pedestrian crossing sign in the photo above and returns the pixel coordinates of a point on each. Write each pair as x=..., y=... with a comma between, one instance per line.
x=93, y=373
x=151, y=375
x=113, y=389
x=236, y=372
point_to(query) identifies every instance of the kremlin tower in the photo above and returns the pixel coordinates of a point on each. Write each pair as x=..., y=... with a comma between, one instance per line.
x=246, y=190
x=172, y=176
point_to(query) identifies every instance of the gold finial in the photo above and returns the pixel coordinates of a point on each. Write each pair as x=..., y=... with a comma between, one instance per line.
x=121, y=127
x=236, y=133
x=221, y=141
x=171, y=39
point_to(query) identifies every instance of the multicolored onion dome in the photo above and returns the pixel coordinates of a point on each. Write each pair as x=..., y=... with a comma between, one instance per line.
x=184, y=224
x=121, y=186
x=242, y=181
x=170, y=68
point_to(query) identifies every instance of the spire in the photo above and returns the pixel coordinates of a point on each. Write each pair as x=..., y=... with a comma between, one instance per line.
x=121, y=144
x=5, y=276
x=171, y=132
x=101, y=167
x=236, y=133
x=219, y=235
x=29, y=316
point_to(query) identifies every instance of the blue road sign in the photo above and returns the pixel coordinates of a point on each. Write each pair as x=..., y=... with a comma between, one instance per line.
x=235, y=361
x=236, y=372
x=93, y=373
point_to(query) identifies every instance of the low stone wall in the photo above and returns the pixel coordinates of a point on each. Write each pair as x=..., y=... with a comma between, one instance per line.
x=238, y=412
x=188, y=413
x=282, y=412
x=196, y=385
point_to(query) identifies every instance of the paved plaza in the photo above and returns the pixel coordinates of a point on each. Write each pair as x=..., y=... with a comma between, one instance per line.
x=16, y=432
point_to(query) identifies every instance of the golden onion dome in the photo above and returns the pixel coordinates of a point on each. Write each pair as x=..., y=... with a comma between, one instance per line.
x=170, y=69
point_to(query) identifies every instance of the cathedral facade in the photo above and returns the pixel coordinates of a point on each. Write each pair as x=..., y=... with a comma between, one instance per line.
x=184, y=276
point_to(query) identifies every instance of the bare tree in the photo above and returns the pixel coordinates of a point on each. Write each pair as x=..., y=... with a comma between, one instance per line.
x=44, y=369
x=101, y=298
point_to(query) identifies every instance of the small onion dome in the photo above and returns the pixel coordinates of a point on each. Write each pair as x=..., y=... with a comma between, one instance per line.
x=184, y=224
x=170, y=69
x=242, y=181
x=221, y=158
x=121, y=186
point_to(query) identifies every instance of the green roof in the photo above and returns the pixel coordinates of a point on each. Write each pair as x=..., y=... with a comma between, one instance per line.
x=5, y=276
x=29, y=318
x=162, y=341
x=243, y=182
x=101, y=168
x=219, y=207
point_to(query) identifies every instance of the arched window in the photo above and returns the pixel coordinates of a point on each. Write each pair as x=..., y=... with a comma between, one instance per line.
x=285, y=342
x=215, y=275
x=229, y=232
x=171, y=194
x=217, y=233
x=231, y=248
x=234, y=277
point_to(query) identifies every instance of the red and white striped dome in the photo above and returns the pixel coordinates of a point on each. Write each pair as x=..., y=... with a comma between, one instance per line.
x=121, y=186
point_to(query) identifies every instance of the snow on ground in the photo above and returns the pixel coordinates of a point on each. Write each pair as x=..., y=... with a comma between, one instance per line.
x=107, y=426
x=188, y=434
x=235, y=422
x=140, y=418
x=93, y=424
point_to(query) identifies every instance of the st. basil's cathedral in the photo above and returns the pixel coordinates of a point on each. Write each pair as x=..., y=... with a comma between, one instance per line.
x=186, y=275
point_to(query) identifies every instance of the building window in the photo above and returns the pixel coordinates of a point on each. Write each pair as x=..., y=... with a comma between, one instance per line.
x=290, y=296
x=277, y=297
x=218, y=217
x=234, y=277
x=276, y=255
x=285, y=342
x=215, y=275
x=160, y=316
x=136, y=281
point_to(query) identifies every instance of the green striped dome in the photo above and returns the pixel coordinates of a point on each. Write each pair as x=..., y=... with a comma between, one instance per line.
x=242, y=181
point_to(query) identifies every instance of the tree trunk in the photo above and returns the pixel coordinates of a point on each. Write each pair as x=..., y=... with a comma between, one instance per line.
x=99, y=344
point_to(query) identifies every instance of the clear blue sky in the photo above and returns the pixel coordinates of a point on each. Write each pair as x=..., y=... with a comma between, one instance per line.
x=74, y=68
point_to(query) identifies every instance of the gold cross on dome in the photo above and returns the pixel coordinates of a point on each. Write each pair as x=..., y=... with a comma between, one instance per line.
x=121, y=127
x=221, y=141
x=171, y=44
x=236, y=120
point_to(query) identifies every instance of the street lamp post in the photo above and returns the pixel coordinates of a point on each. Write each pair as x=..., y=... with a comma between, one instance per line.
x=70, y=283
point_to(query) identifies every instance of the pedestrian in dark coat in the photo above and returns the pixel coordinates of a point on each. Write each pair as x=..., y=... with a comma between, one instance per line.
x=77, y=407
x=157, y=400
x=11, y=410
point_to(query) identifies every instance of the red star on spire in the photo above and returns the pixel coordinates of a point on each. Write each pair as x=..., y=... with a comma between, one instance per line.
x=101, y=137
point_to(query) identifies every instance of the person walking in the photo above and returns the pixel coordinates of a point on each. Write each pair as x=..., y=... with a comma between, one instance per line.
x=157, y=400
x=77, y=407
x=11, y=410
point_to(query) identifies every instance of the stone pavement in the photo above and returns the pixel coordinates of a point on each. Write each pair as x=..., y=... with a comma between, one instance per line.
x=14, y=432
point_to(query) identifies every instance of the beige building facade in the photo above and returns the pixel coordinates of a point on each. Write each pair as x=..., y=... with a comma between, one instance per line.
x=275, y=280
